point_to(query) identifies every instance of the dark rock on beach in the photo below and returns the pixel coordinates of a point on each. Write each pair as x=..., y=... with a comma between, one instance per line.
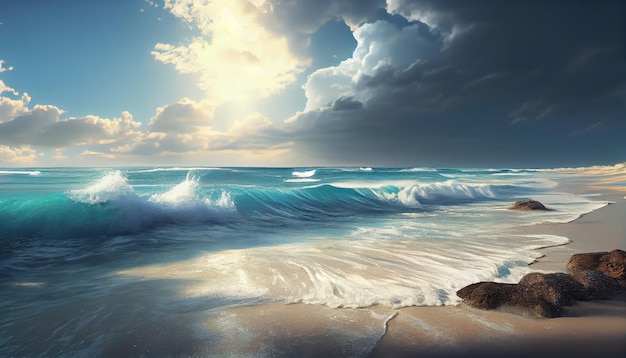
x=528, y=205
x=511, y=297
x=590, y=276
x=601, y=273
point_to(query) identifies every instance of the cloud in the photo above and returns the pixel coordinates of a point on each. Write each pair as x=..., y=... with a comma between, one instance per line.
x=305, y=17
x=447, y=86
x=184, y=127
x=181, y=117
x=381, y=46
x=10, y=108
x=181, y=129
x=90, y=154
x=346, y=104
x=22, y=155
x=247, y=49
x=429, y=83
x=554, y=69
x=4, y=69
x=234, y=55
x=43, y=126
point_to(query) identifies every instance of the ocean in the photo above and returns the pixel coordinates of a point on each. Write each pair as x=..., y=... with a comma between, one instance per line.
x=94, y=259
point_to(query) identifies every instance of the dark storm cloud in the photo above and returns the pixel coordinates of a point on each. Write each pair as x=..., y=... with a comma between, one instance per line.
x=509, y=84
x=346, y=104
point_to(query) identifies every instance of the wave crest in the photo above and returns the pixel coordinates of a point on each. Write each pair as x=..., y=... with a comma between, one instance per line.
x=448, y=192
x=113, y=186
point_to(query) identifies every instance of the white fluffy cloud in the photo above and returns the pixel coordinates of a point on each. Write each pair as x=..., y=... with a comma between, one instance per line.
x=182, y=117
x=4, y=69
x=22, y=155
x=234, y=56
x=9, y=107
x=43, y=126
x=184, y=127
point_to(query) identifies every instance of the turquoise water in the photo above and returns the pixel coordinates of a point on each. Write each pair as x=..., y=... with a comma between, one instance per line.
x=89, y=256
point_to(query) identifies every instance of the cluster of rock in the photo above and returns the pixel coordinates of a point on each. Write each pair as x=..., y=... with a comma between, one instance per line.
x=589, y=276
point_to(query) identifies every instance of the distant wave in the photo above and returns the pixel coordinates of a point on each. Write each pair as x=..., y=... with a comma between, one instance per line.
x=424, y=169
x=177, y=169
x=20, y=172
x=305, y=174
x=301, y=180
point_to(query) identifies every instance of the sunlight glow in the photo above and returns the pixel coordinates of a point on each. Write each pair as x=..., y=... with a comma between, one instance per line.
x=235, y=56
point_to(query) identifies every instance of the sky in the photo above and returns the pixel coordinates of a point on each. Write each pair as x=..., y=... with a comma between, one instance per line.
x=300, y=83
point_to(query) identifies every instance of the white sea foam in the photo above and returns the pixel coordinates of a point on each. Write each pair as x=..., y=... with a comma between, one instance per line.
x=511, y=174
x=183, y=192
x=20, y=172
x=301, y=180
x=304, y=174
x=388, y=269
x=186, y=195
x=444, y=191
x=372, y=184
x=112, y=186
x=566, y=207
x=419, y=169
x=178, y=169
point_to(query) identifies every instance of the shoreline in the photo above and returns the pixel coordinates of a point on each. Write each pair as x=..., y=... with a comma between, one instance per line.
x=603, y=229
x=587, y=329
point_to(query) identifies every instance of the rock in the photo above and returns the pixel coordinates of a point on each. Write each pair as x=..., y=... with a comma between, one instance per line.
x=487, y=295
x=588, y=261
x=537, y=294
x=528, y=205
x=611, y=264
x=596, y=284
x=556, y=288
x=595, y=275
x=614, y=265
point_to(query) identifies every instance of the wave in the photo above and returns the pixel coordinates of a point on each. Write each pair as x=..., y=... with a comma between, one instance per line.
x=110, y=206
x=178, y=169
x=301, y=180
x=330, y=200
x=20, y=172
x=449, y=192
x=305, y=174
x=414, y=170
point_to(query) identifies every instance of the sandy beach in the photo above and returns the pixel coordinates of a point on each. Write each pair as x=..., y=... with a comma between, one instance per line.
x=588, y=329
